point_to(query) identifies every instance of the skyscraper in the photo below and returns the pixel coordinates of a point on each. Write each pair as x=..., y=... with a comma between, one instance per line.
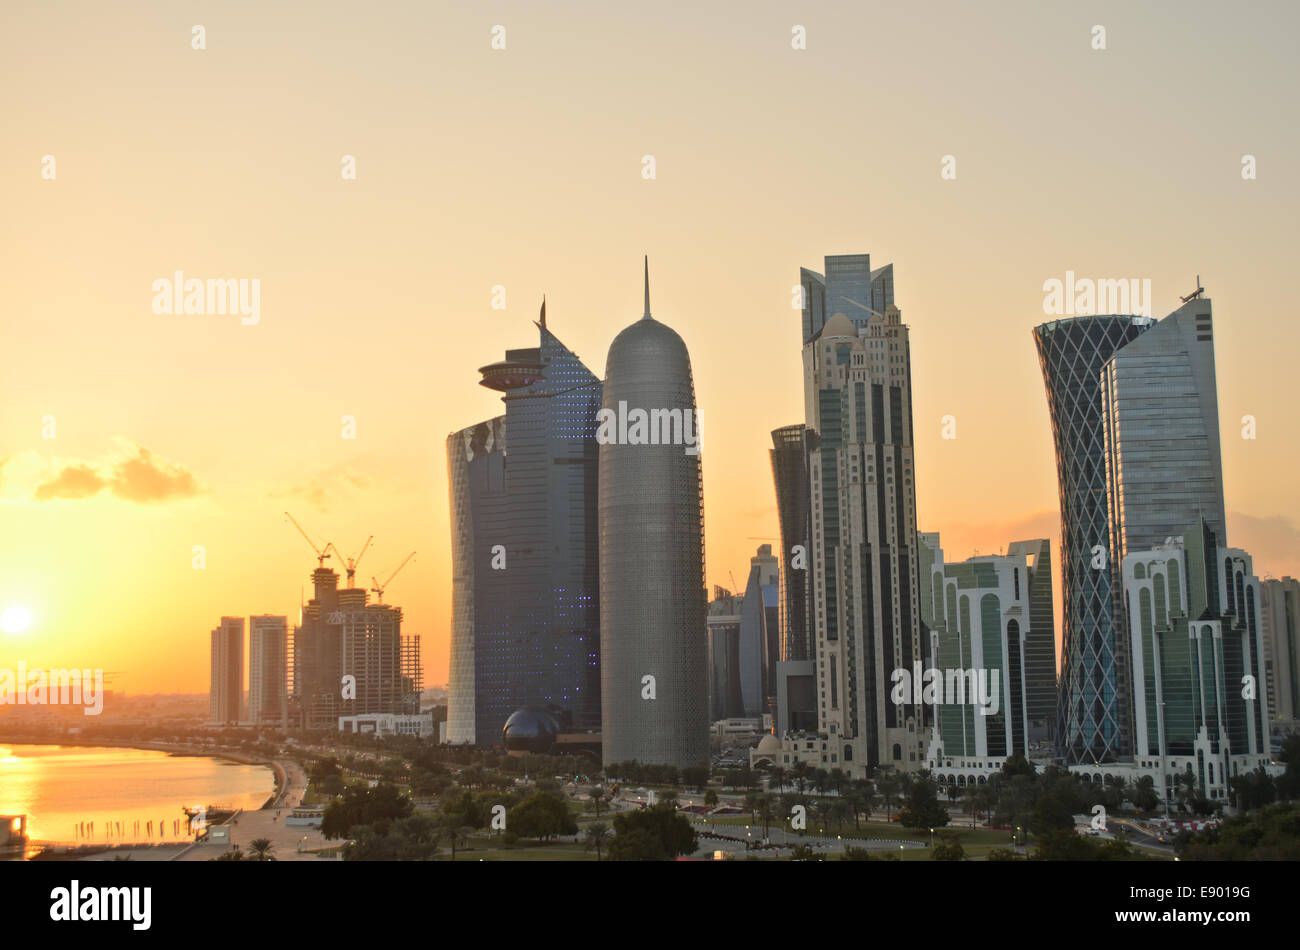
x=268, y=684
x=1040, y=640
x=525, y=581
x=863, y=559
x=1135, y=416
x=1280, y=615
x=790, y=476
x=317, y=652
x=226, y=689
x=1160, y=412
x=759, y=634
x=654, y=675
x=1093, y=722
x=726, y=700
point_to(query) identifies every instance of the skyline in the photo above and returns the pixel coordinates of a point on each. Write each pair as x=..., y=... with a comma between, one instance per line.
x=374, y=310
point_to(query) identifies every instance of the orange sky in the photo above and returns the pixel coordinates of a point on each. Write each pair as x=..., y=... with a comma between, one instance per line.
x=522, y=167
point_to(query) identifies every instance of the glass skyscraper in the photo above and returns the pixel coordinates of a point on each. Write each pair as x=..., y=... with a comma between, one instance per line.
x=525, y=582
x=1093, y=713
x=653, y=604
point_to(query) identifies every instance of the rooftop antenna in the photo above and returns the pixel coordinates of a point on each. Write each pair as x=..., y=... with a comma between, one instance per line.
x=646, y=315
x=1194, y=294
x=541, y=324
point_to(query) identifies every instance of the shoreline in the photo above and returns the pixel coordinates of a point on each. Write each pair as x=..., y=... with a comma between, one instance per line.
x=279, y=777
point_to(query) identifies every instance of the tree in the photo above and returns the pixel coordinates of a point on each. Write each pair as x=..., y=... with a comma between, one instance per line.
x=923, y=809
x=543, y=815
x=889, y=784
x=407, y=839
x=597, y=837
x=364, y=806
x=1270, y=834
x=805, y=852
x=1144, y=795
x=765, y=812
x=656, y=833
x=1052, y=812
x=232, y=855
x=776, y=777
x=456, y=834
x=711, y=798
x=597, y=794
x=947, y=847
x=261, y=848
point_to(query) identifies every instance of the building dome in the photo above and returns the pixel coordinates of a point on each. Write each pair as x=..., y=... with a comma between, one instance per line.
x=769, y=743
x=530, y=730
x=839, y=325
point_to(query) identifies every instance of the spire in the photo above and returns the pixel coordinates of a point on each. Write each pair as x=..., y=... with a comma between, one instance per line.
x=646, y=315
x=541, y=323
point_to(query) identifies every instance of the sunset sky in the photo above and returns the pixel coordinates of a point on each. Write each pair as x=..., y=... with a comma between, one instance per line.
x=522, y=167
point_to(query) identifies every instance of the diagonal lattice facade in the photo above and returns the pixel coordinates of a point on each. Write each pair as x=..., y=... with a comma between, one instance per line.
x=1093, y=704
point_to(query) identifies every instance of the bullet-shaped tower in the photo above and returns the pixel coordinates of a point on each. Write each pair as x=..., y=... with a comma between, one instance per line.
x=653, y=607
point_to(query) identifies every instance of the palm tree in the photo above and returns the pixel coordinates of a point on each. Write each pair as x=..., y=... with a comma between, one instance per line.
x=596, y=794
x=968, y=796
x=455, y=833
x=821, y=780
x=597, y=837
x=800, y=776
x=765, y=812
x=776, y=777
x=839, y=810
x=752, y=801
x=261, y=849
x=889, y=785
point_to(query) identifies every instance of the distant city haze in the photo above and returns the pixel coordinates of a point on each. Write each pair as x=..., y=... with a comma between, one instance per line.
x=131, y=439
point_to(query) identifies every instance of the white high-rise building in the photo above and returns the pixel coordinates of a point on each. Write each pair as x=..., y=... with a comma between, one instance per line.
x=865, y=613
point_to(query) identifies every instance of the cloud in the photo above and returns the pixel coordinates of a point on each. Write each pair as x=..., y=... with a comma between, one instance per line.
x=75, y=481
x=339, y=484
x=142, y=478
x=145, y=480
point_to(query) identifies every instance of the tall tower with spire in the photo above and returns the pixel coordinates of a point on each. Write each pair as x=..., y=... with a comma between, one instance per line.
x=653, y=606
x=525, y=598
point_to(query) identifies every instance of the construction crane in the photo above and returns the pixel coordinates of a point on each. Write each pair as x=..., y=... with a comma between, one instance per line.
x=379, y=588
x=351, y=563
x=321, y=554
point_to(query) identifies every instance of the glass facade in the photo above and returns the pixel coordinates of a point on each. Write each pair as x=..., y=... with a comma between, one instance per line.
x=525, y=587
x=653, y=604
x=790, y=474
x=1093, y=711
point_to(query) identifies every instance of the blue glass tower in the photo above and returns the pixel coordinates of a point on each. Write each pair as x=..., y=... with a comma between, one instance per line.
x=525, y=585
x=1093, y=717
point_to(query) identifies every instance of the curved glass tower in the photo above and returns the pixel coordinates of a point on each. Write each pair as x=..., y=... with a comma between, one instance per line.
x=1093, y=710
x=653, y=605
x=523, y=529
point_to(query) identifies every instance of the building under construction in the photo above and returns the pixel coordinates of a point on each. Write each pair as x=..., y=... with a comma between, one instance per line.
x=341, y=635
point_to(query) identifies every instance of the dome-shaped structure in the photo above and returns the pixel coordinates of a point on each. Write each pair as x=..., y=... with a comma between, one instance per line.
x=530, y=730
x=769, y=743
x=838, y=325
